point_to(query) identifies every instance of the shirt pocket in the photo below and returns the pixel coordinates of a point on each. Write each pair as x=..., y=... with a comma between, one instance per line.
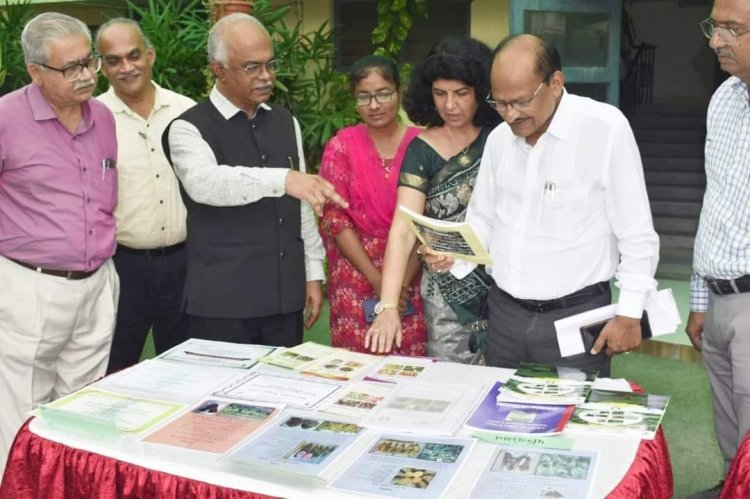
x=563, y=212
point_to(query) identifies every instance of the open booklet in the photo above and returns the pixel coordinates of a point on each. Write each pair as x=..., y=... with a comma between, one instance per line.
x=456, y=239
x=620, y=413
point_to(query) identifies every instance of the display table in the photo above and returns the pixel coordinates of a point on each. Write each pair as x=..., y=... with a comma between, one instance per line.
x=46, y=463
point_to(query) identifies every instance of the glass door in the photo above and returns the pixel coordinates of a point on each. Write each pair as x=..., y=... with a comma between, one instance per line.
x=587, y=34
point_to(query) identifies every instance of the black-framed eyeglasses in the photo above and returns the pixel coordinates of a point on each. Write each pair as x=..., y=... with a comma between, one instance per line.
x=384, y=97
x=255, y=68
x=726, y=35
x=71, y=72
x=502, y=106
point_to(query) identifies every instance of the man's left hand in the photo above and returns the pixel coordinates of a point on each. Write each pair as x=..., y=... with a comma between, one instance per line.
x=621, y=334
x=313, y=302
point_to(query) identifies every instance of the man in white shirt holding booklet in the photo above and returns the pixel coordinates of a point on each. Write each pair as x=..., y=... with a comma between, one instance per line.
x=560, y=203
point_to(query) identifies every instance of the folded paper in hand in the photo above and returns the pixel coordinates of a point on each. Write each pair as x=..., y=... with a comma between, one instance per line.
x=456, y=239
x=663, y=317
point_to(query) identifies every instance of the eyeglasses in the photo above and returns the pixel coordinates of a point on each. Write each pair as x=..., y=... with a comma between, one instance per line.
x=71, y=72
x=255, y=68
x=502, y=106
x=383, y=97
x=726, y=35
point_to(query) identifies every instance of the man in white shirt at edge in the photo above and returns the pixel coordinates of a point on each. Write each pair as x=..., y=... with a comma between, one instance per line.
x=255, y=259
x=150, y=257
x=560, y=202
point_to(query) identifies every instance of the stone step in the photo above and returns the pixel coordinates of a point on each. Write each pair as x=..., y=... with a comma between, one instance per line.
x=676, y=225
x=669, y=254
x=673, y=164
x=667, y=135
x=676, y=241
x=675, y=193
x=661, y=208
x=670, y=150
x=678, y=178
x=674, y=271
x=670, y=122
x=673, y=110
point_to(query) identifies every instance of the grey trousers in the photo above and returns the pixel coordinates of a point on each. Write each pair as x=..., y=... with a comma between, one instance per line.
x=726, y=354
x=516, y=334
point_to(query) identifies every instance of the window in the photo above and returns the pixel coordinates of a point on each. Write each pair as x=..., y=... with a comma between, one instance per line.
x=354, y=21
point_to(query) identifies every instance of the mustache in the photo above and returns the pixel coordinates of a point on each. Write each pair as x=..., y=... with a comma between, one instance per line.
x=724, y=52
x=127, y=75
x=82, y=85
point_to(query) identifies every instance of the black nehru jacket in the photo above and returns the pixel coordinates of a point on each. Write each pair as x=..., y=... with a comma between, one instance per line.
x=245, y=261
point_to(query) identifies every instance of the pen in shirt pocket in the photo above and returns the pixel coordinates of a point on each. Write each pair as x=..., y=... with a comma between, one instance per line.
x=107, y=163
x=292, y=165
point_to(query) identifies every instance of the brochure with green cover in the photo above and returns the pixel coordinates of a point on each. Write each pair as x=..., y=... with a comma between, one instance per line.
x=546, y=384
x=622, y=413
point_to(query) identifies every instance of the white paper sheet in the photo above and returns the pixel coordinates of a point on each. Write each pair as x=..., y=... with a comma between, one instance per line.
x=296, y=391
x=217, y=353
x=167, y=380
x=662, y=315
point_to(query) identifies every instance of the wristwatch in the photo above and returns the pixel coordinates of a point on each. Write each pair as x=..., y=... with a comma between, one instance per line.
x=380, y=306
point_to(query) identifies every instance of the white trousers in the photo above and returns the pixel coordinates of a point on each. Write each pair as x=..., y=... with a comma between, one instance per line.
x=55, y=336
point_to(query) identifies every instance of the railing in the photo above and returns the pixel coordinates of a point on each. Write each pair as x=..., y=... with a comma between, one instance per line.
x=636, y=87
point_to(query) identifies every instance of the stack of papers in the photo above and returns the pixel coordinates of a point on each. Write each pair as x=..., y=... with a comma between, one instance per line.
x=620, y=413
x=545, y=384
x=495, y=415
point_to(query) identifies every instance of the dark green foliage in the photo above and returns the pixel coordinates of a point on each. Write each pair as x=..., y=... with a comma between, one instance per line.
x=178, y=31
x=13, y=73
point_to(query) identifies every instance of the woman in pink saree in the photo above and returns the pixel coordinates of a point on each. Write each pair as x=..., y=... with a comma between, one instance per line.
x=363, y=163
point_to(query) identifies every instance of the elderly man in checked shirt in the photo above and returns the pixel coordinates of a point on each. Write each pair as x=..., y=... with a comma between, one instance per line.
x=719, y=322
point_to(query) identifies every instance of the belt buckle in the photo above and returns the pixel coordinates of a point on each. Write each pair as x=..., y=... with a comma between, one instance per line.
x=721, y=287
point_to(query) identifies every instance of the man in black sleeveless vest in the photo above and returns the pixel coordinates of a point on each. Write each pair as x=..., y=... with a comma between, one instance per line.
x=255, y=260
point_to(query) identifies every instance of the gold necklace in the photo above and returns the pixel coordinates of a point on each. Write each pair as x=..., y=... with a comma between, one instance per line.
x=464, y=159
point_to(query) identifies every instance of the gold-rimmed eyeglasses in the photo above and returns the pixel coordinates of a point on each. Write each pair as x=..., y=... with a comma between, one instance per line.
x=726, y=35
x=502, y=106
x=71, y=72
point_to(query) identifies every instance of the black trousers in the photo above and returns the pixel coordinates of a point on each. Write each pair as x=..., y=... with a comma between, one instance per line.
x=282, y=330
x=517, y=334
x=152, y=288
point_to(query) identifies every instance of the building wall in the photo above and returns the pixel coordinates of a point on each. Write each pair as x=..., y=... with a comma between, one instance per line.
x=684, y=64
x=489, y=18
x=490, y=21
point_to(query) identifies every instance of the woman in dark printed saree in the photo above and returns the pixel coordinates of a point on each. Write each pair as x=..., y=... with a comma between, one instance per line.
x=446, y=94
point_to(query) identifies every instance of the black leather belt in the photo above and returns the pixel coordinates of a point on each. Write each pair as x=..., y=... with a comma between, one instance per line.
x=729, y=286
x=166, y=250
x=572, y=300
x=74, y=275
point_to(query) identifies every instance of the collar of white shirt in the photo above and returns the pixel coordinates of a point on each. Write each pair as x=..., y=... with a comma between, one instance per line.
x=225, y=106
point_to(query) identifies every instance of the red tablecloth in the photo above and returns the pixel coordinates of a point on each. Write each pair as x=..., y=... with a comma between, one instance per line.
x=737, y=482
x=41, y=468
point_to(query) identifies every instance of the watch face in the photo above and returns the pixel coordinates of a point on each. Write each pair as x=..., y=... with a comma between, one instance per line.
x=378, y=307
